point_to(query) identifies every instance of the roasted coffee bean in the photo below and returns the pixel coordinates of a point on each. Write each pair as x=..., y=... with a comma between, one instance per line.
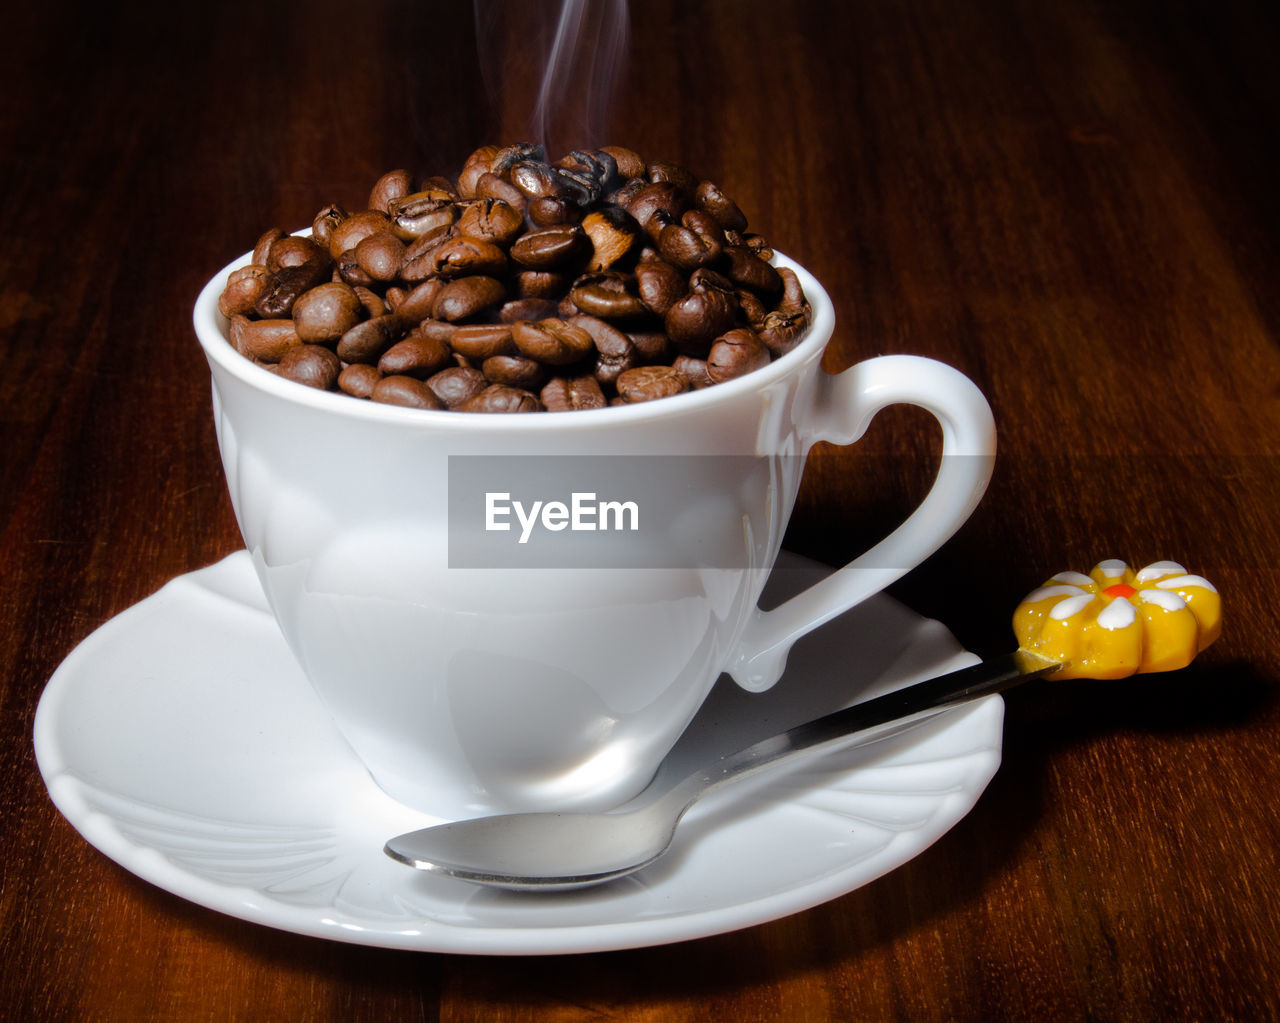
x=415, y=356
x=262, y=248
x=526, y=309
x=793, y=300
x=467, y=297
x=630, y=164
x=365, y=342
x=697, y=241
x=745, y=268
x=491, y=220
x=358, y=379
x=508, y=156
x=296, y=251
x=421, y=213
x=571, y=394
x=407, y=391
x=660, y=285
x=482, y=341
x=478, y=164
x=708, y=197
x=551, y=248
x=615, y=351
x=349, y=233
x=244, y=287
x=626, y=192
x=546, y=284
x=437, y=330
x=648, y=383
x=351, y=272
x=703, y=315
x=750, y=306
x=693, y=370
x=781, y=331
x=514, y=371
x=379, y=255
x=734, y=353
x=674, y=174
x=491, y=186
x=536, y=180
x=553, y=211
x=393, y=185
x=613, y=233
x=286, y=286
x=758, y=245
x=263, y=340
x=462, y=257
x=373, y=303
x=501, y=398
x=457, y=384
x=324, y=223
x=662, y=197
x=652, y=346
x=326, y=312
x=419, y=258
x=554, y=341
x=611, y=296
x=313, y=365
x=416, y=305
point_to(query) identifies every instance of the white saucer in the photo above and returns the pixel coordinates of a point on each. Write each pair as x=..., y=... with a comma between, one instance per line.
x=182, y=740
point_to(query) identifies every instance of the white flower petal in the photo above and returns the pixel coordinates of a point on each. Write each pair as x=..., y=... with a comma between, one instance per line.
x=1074, y=578
x=1119, y=614
x=1182, y=581
x=1112, y=568
x=1070, y=605
x=1158, y=568
x=1162, y=598
x=1053, y=591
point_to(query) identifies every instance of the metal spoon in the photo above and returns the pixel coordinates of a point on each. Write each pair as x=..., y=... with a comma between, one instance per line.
x=558, y=851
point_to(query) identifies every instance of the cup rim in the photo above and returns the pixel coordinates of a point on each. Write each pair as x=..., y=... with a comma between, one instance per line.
x=212, y=332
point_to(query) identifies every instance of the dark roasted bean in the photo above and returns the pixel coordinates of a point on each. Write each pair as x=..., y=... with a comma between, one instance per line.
x=653, y=198
x=416, y=305
x=542, y=284
x=462, y=257
x=393, y=185
x=514, y=371
x=407, y=391
x=607, y=295
x=437, y=330
x=478, y=164
x=467, y=297
x=648, y=383
x=481, y=341
x=295, y=251
x=734, y=353
x=747, y=269
x=781, y=331
x=615, y=351
x=286, y=286
x=457, y=384
x=695, y=242
x=630, y=164
x=379, y=255
x=491, y=220
x=358, y=379
x=313, y=365
x=693, y=370
x=708, y=197
x=553, y=211
x=263, y=340
x=415, y=356
x=703, y=315
x=365, y=342
x=551, y=248
x=660, y=285
x=373, y=303
x=526, y=309
x=421, y=213
x=326, y=312
x=419, y=258
x=501, y=398
x=325, y=221
x=555, y=342
x=491, y=186
x=793, y=300
x=349, y=233
x=571, y=394
x=674, y=174
x=244, y=287
x=350, y=271
x=652, y=346
x=262, y=249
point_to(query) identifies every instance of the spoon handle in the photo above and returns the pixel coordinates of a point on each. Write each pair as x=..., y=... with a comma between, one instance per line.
x=902, y=707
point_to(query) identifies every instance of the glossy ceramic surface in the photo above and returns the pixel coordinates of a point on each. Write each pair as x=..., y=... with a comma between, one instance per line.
x=183, y=741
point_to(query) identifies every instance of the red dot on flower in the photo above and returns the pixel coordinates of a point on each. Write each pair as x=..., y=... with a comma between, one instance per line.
x=1119, y=590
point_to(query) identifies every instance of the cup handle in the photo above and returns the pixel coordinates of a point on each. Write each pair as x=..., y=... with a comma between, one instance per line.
x=843, y=408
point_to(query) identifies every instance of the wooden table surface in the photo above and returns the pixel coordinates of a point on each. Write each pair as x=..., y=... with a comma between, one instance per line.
x=1075, y=203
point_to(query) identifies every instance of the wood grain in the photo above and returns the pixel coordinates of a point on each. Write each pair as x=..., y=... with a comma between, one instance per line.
x=1074, y=203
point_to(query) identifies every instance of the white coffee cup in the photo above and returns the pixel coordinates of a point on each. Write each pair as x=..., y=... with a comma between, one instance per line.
x=468, y=690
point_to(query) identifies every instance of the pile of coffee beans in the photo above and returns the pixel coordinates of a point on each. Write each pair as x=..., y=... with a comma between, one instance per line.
x=522, y=286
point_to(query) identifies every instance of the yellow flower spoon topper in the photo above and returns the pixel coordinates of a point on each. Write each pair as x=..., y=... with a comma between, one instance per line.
x=1115, y=622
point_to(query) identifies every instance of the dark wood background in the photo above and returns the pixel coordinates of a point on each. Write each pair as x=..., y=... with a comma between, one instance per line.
x=1075, y=203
